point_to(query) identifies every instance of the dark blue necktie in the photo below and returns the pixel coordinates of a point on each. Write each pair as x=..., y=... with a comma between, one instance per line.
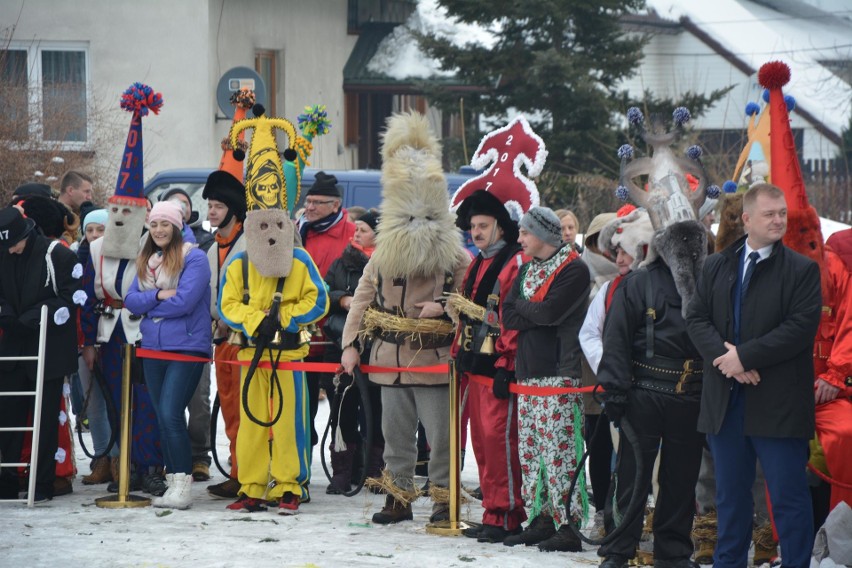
x=754, y=256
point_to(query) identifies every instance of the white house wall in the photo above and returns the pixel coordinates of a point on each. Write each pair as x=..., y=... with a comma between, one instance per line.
x=678, y=63
x=179, y=49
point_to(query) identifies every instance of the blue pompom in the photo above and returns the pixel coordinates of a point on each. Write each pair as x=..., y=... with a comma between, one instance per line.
x=766, y=95
x=625, y=151
x=635, y=116
x=694, y=152
x=790, y=102
x=622, y=193
x=752, y=109
x=681, y=116
x=729, y=187
x=713, y=191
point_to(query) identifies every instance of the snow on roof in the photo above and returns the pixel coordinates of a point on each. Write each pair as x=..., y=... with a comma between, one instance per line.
x=399, y=55
x=757, y=34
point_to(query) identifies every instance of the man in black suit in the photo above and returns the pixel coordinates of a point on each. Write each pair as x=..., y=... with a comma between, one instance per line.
x=36, y=272
x=754, y=318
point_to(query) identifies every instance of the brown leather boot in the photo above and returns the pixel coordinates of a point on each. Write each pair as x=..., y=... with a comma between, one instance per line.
x=393, y=512
x=101, y=472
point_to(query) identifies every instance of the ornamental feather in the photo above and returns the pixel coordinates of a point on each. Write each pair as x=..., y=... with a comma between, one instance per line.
x=773, y=75
x=139, y=98
x=681, y=116
x=625, y=151
x=713, y=191
x=244, y=98
x=635, y=116
x=314, y=122
x=694, y=152
x=622, y=193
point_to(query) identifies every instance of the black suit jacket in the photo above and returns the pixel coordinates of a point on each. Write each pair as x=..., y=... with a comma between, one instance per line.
x=24, y=289
x=779, y=319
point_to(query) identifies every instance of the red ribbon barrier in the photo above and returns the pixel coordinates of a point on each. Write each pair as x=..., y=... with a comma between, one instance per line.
x=335, y=367
x=534, y=391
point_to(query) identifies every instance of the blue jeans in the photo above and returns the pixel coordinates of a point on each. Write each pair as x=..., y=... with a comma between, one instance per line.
x=171, y=384
x=784, y=461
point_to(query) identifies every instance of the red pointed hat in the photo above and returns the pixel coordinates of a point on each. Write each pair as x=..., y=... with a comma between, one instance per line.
x=786, y=173
x=506, y=150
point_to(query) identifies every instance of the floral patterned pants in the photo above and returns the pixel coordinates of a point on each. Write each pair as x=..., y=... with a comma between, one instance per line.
x=550, y=433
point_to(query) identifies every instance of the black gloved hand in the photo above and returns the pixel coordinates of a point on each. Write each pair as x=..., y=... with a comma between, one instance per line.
x=615, y=406
x=268, y=326
x=502, y=379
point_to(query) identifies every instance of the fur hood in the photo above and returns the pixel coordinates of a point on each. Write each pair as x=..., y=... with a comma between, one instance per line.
x=416, y=235
x=633, y=233
x=683, y=247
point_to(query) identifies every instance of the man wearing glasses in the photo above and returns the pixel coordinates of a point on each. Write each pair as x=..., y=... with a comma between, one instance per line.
x=325, y=229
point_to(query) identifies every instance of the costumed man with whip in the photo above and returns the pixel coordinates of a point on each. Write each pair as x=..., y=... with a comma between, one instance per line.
x=269, y=293
x=484, y=347
x=650, y=369
x=418, y=259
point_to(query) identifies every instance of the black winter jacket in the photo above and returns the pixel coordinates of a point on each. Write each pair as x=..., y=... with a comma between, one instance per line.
x=24, y=289
x=779, y=319
x=342, y=279
x=548, y=342
x=624, y=330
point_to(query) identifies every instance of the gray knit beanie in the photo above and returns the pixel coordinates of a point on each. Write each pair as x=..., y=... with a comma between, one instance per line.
x=544, y=224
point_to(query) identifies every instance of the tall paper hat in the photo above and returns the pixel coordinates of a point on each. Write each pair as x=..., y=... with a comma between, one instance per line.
x=266, y=186
x=130, y=186
x=753, y=163
x=506, y=150
x=242, y=100
x=784, y=162
x=804, y=234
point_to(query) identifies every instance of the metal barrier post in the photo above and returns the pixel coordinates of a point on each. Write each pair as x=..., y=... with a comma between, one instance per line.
x=454, y=526
x=123, y=499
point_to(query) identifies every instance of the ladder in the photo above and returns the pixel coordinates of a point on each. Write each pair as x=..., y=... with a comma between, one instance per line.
x=35, y=428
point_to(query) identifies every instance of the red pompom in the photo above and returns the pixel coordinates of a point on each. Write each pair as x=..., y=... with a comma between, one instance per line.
x=774, y=75
x=625, y=210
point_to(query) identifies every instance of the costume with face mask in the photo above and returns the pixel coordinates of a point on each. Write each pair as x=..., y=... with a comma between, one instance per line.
x=268, y=295
x=110, y=271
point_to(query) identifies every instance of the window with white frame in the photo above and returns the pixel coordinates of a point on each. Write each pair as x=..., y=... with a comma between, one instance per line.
x=44, y=93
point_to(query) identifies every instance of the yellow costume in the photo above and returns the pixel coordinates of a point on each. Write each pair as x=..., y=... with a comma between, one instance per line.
x=304, y=300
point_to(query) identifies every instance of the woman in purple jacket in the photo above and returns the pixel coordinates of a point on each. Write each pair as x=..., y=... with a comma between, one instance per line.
x=172, y=291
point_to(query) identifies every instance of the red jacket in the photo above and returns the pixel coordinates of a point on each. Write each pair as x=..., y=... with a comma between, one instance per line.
x=841, y=243
x=327, y=247
x=833, y=342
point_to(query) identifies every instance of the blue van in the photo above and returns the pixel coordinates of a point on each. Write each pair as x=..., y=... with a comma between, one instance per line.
x=360, y=187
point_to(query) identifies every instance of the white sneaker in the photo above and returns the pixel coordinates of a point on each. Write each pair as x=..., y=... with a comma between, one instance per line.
x=162, y=502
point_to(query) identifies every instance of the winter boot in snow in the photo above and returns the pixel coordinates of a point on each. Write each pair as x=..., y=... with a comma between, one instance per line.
x=540, y=529
x=162, y=501
x=341, y=467
x=179, y=495
x=393, y=512
x=100, y=472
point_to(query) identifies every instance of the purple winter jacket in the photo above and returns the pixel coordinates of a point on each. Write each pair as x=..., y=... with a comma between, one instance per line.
x=182, y=322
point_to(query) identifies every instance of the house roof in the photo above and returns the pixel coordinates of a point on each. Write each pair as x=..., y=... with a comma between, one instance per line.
x=748, y=33
x=386, y=58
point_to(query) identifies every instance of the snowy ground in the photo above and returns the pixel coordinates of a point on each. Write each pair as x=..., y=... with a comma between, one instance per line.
x=330, y=531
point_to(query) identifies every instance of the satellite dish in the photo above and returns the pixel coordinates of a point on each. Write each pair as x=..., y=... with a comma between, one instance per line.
x=235, y=79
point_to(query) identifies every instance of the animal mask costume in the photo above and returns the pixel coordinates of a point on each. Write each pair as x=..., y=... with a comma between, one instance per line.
x=672, y=205
x=128, y=207
x=417, y=235
x=632, y=232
